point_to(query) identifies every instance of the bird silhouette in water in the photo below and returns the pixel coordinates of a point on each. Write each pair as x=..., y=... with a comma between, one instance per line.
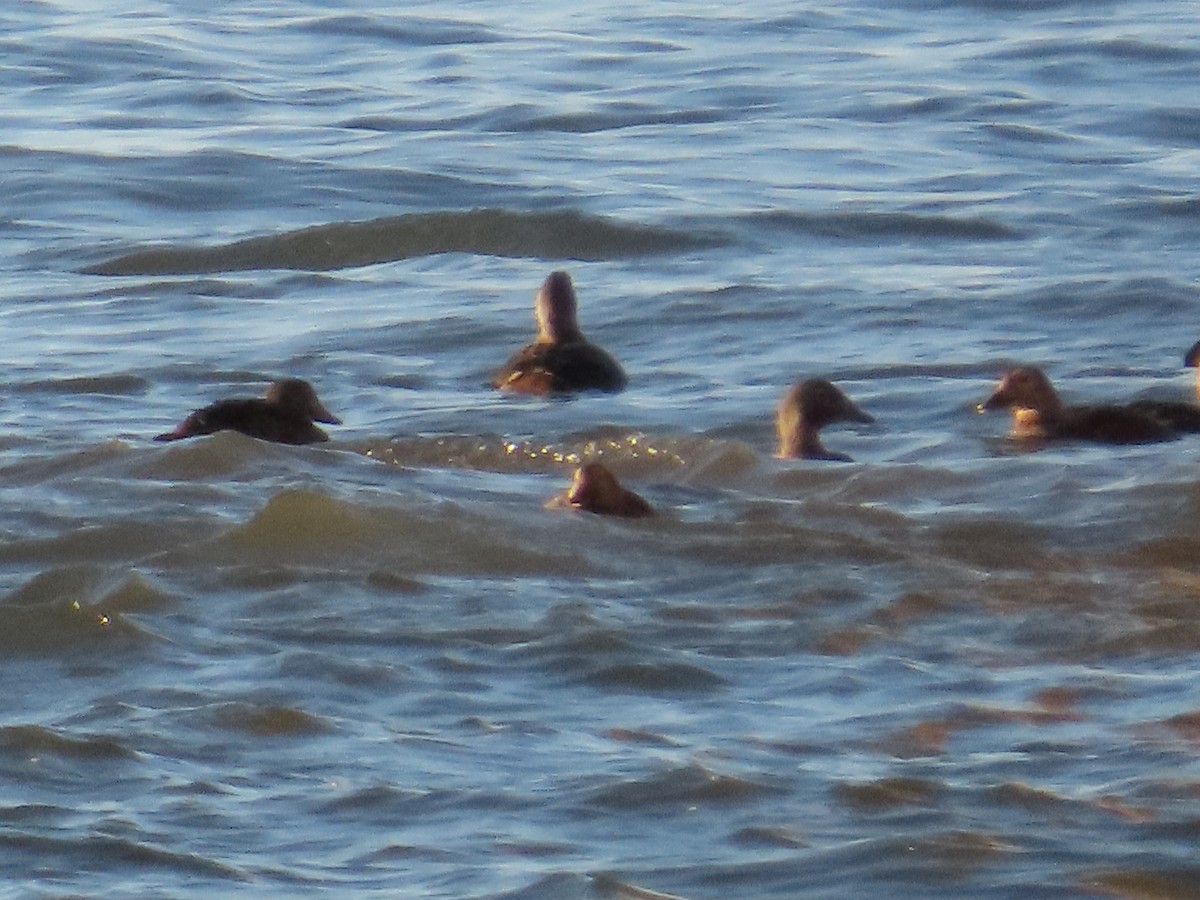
x=1176, y=414
x=595, y=488
x=806, y=408
x=285, y=415
x=1039, y=413
x=560, y=360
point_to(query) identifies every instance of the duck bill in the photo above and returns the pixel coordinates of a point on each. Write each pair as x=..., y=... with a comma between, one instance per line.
x=854, y=414
x=321, y=414
x=998, y=400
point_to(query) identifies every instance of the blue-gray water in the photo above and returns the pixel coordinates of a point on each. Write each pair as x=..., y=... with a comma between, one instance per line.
x=380, y=667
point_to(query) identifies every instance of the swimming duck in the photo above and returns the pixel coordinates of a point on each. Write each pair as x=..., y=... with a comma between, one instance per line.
x=560, y=360
x=806, y=408
x=285, y=415
x=595, y=488
x=1039, y=413
x=1177, y=415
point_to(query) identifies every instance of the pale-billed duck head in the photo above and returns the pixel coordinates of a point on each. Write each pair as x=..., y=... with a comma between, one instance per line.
x=1025, y=387
x=298, y=396
x=555, y=309
x=806, y=408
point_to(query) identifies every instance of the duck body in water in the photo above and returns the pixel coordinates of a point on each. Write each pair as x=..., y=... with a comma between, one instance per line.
x=284, y=416
x=1038, y=412
x=560, y=360
x=1176, y=414
x=595, y=488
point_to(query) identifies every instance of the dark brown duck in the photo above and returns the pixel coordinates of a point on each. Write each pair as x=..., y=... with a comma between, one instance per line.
x=560, y=360
x=1039, y=413
x=806, y=408
x=285, y=416
x=1176, y=414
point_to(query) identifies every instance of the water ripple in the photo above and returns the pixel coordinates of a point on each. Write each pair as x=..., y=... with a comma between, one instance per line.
x=552, y=235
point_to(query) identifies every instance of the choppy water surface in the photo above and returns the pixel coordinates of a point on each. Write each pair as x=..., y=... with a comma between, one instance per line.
x=948, y=669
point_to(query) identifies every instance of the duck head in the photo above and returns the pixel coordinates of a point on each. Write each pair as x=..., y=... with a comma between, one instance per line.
x=555, y=309
x=297, y=395
x=806, y=408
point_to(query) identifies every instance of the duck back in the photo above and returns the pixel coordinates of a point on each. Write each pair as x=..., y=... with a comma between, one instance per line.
x=560, y=368
x=1110, y=424
x=255, y=418
x=1174, y=414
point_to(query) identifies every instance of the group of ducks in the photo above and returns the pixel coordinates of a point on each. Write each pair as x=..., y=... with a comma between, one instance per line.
x=560, y=360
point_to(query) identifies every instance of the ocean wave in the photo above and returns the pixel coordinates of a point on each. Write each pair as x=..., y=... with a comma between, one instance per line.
x=628, y=451
x=683, y=785
x=656, y=678
x=75, y=609
x=907, y=110
x=410, y=31
x=309, y=528
x=1176, y=883
x=114, y=384
x=1028, y=134
x=102, y=855
x=899, y=226
x=269, y=721
x=614, y=118
x=1120, y=50
x=35, y=740
x=562, y=234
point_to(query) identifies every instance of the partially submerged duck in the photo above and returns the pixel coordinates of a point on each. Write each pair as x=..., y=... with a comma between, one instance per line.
x=806, y=408
x=560, y=360
x=285, y=415
x=1177, y=415
x=595, y=488
x=1039, y=413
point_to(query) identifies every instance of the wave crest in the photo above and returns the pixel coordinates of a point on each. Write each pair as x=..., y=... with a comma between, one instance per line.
x=564, y=234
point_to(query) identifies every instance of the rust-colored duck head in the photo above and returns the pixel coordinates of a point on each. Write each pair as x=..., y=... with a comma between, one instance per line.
x=595, y=488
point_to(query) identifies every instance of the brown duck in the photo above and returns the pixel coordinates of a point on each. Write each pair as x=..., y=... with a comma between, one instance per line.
x=806, y=408
x=285, y=415
x=560, y=360
x=1039, y=413
x=1176, y=414
x=595, y=488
